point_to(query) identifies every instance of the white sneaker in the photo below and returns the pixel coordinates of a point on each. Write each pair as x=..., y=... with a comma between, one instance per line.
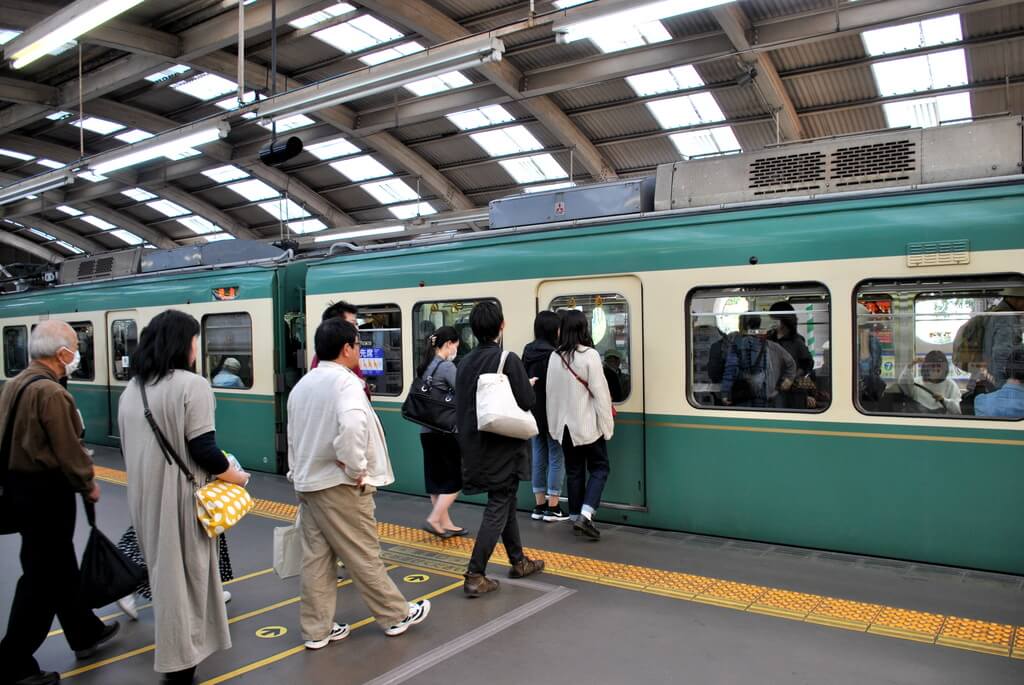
x=338, y=632
x=417, y=612
x=127, y=605
x=227, y=596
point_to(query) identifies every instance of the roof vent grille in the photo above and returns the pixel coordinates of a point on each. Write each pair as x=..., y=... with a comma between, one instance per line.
x=884, y=162
x=86, y=268
x=787, y=174
x=122, y=263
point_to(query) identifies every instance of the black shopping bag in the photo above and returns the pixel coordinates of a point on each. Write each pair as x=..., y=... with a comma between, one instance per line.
x=107, y=574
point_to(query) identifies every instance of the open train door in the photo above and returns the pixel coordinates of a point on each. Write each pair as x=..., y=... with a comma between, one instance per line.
x=614, y=308
x=123, y=332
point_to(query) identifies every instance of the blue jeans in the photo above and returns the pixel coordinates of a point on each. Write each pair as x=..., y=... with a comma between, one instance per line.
x=548, y=463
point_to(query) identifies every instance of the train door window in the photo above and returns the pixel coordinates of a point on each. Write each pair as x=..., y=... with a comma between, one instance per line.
x=608, y=314
x=942, y=347
x=227, y=349
x=86, y=370
x=762, y=347
x=124, y=338
x=15, y=350
x=380, y=351
x=427, y=317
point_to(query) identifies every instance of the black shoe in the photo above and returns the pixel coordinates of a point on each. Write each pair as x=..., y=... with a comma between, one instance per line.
x=106, y=635
x=538, y=512
x=585, y=527
x=41, y=678
x=555, y=513
x=186, y=677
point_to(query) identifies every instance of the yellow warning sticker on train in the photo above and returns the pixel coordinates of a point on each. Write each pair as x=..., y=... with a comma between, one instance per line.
x=417, y=578
x=267, y=632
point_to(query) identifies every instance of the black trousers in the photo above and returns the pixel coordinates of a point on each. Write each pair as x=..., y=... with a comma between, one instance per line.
x=579, y=459
x=49, y=582
x=499, y=521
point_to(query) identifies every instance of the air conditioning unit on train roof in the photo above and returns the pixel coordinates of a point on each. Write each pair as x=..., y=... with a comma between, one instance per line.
x=886, y=159
x=107, y=265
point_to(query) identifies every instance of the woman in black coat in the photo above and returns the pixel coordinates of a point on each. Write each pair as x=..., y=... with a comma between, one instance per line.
x=492, y=463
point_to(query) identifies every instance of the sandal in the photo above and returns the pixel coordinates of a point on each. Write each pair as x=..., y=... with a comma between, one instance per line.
x=457, y=531
x=443, y=534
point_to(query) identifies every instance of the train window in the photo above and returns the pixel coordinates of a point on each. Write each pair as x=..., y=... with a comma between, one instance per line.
x=227, y=349
x=762, y=347
x=124, y=338
x=427, y=317
x=942, y=347
x=380, y=351
x=86, y=370
x=608, y=314
x=15, y=350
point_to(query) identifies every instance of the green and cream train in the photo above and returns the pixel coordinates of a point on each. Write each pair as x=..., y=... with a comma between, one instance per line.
x=883, y=246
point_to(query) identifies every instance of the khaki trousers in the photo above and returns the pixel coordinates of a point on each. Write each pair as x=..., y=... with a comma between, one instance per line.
x=338, y=523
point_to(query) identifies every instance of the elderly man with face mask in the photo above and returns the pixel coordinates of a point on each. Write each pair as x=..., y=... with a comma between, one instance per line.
x=47, y=465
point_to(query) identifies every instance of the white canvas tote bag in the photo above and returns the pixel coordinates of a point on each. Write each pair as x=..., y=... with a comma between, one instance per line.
x=496, y=407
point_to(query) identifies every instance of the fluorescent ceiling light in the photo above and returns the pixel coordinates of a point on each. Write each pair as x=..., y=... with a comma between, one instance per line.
x=97, y=222
x=167, y=208
x=665, y=81
x=127, y=237
x=49, y=163
x=289, y=123
x=70, y=211
x=924, y=72
x=165, y=144
x=217, y=237
x=323, y=15
x=253, y=190
x=57, y=116
x=438, y=84
x=491, y=115
x=226, y=173
x=926, y=112
x=507, y=141
x=15, y=154
x=388, y=54
x=392, y=190
x=199, y=225
x=357, y=35
x=205, y=86
x=917, y=34
x=62, y=27
x=91, y=176
x=97, y=125
x=41, y=234
x=170, y=72
x=549, y=186
x=615, y=24
x=360, y=168
x=133, y=136
x=175, y=154
x=411, y=211
x=283, y=209
x=339, y=147
x=138, y=194
x=687, y=110
x=34, y=185
x=467, y=52
x=307, y=226
x=712, y=141
x=70, y=248
x=533, y=169
x=364, y=233
x=7, y=35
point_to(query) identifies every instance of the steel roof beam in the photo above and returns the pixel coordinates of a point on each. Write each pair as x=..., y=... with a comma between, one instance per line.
x=65, y=234
x=28, y=247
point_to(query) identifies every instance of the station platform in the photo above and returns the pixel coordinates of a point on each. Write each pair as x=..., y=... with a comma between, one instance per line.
x=640, y=606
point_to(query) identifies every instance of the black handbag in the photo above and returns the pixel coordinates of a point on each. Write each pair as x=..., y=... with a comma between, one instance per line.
x=430, y=406
x=107, y=573
x=8, y=517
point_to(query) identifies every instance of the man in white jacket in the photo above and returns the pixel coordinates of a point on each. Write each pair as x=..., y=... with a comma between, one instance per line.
x=337, y=458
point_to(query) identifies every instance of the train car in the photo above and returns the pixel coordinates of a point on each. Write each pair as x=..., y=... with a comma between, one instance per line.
x=879, y=247
x=251, y=314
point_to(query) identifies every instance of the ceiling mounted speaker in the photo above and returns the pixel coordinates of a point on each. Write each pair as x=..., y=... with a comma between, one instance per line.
x=279, y=152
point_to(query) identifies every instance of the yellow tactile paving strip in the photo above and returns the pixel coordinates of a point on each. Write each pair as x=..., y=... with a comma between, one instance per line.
x=950, y=631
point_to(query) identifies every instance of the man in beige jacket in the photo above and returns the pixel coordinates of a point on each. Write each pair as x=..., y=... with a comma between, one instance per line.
x=337, y=458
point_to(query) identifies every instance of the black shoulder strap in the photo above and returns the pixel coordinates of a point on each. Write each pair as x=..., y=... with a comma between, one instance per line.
x=161, y=439
x=5, y=447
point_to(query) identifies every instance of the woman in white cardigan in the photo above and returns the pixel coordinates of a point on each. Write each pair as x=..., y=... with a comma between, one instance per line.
x=580, y=416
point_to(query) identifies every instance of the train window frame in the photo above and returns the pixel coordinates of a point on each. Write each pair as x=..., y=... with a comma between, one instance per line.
x=23, y=329
x=788, y=288
x=92, y=352
x=918, y=287
x=629, y=351
x=389, y=308
x=419, y=342
x=113, y=358
x=208, y=367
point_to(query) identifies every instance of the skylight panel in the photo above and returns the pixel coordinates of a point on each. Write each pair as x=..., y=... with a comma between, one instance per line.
x=322, y=16
x=623, y=38
x=70, y=248
x=167, y=73
x=41, y=234
x=231, y=103
x=138, y=194
x=687, y=110
x=127, y=237
x=665, y=81
x=50, y=164
x=91, y=176
x=507, y=141
x=392, y=190
x=549, y=186
x=57, y=116
x=7, y=35
x=339, y=147
x=289, y=123
x=253, y=190
x=357, y=35
x=363, y=233
x=360, y=168
x=97, y=222
x=226, y=173
x=533, y=169
x=97, y=125
x=490, y=115
x=205, y=86
x=16, y=155
x=133, y=136
x=565, y=4
x=917, y=34
x=167, y=208
x=438, y=84
x=711, y=141
x=307, y=226
x=924, y=72
x=199, y=225
x=284, y=209
x=388, y=54
x=70, y=211
x=926, y=112
x=217, y=237
x=411, y=211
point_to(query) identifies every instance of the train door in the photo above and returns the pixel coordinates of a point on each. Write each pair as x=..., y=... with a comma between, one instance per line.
x=614, y=307
x=123, y=332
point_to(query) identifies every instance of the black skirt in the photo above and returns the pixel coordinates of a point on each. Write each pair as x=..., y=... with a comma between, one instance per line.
x=442, y=464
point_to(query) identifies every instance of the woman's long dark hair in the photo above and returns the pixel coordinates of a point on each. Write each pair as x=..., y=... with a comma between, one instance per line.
x=545, y=327
x=164, y=346
x=575, y=331
x=444, y=334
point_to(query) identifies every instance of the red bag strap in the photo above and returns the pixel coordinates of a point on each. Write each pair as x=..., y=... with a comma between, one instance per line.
x=576, y=376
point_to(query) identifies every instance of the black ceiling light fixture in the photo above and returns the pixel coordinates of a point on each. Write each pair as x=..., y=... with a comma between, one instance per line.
x=277, y=152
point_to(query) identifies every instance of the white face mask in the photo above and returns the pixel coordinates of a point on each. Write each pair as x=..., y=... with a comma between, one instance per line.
x=72, y=366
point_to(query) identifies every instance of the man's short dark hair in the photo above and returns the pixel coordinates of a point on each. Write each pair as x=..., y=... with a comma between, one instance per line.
x=750, y=322
x=485, y=320
x=1015, y=366
x=331, y=336
x=338, y=310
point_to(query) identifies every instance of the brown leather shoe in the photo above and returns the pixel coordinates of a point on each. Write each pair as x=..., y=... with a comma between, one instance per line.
x=478, y=584
x=526, y=567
